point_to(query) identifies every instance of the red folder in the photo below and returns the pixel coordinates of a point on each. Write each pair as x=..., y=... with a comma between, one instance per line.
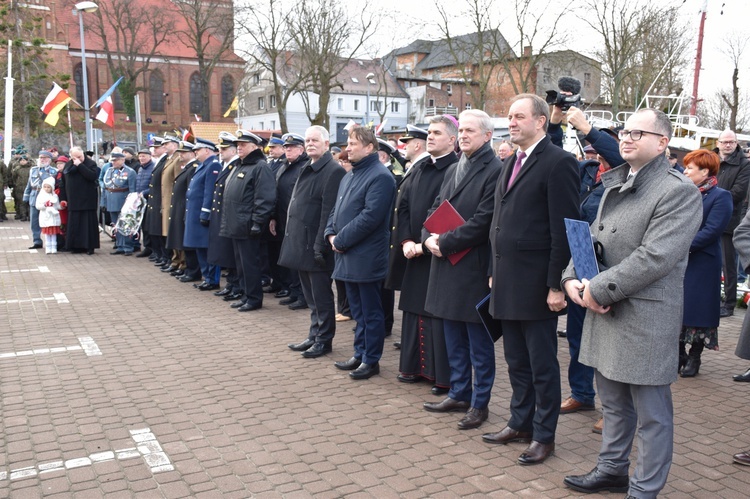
x=442, y=220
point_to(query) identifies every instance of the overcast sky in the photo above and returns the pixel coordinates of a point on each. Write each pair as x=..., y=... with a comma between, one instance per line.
x=410, y=20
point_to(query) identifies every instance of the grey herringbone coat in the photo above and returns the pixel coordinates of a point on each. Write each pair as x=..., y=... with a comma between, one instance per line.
x=741, y=241
x=646, y=225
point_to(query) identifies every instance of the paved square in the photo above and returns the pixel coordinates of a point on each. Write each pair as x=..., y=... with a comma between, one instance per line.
x=189, y=398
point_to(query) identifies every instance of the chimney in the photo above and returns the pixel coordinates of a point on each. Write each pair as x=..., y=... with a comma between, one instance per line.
x=527, y=51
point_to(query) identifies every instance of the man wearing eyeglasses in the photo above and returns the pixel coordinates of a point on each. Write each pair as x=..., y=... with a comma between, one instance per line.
x=734, y=176
x=648, y=217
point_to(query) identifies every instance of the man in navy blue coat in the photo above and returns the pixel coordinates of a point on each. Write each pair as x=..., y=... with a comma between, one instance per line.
x=358, y=232
x=198, y=210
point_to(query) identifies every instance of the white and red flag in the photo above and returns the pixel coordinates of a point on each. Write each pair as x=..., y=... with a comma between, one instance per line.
x=106, y=112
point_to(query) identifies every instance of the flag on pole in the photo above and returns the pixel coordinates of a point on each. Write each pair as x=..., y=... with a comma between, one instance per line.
x=106, y=112
x=54, y=103
x=380, y=127
x=109, y=92
x=350, y=125
x=197, y=118
x=232, y=107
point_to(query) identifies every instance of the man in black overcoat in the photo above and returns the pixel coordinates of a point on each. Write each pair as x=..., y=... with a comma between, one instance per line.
x=304, y=248
x=455, y=289
x=538, y=189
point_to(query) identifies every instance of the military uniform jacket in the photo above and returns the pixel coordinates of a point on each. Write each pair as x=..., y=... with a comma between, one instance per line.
x=311, y=202
x=418, y=192
x=171, y=168
x=249, y=197
x=529, y=245
x=152, y=223
x=646, y=225
x=176, y=233
x=37, y=174
x=118, y=182
x=454, y=290
x=199, y=198
x=220, y=249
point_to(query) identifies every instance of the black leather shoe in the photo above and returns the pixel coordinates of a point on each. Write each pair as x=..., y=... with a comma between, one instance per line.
x=447, y=405
x=116, y=252
x=474, y=418
x=287, y=301
x=127, y=253
x=365, y=371
x=282, y=293
x=209, y=286
x=237, y=304
x=439, y=390
x=597, y=481
x=409, y=378
x=302, y=346
x=159, y=262
x=536, y=453
x=742, y=377
x=348, y=365
x=143, y=254
x=397, y=345
x=198, y=284
x=317, y=350
x=223, y=292
x=247, y=307
x=270, y=289
x=36, y=246
x=233, y=296
x=187, y=278
x=167, y=265
x=297, y=305
x=726, y=312
x=170, y=269
x=177, y=273
x=152, y=257
x=507, y=435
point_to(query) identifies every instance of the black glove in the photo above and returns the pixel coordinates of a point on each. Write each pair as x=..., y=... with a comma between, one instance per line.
x=204, y=222
x=320, y=260
x=255, y=230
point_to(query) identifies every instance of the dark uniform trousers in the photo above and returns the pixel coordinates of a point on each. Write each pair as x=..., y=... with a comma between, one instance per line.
x=316, y=286
x=469, y=345
x=247, y=256
x=531, y=354
x=367, y=310
x=192, y=267
x=210, y=272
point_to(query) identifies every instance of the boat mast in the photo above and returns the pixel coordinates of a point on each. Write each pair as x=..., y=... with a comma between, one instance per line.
x=698, y=57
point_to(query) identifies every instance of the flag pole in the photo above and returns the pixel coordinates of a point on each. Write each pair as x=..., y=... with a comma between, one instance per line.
x=70, y=125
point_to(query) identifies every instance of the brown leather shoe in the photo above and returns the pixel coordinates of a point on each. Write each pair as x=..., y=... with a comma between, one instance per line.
x=507, y=435
x=474, y=418
x=536, y=453
x=446, y=405
x=742, y=458
x=598, y=426
x=572, y=405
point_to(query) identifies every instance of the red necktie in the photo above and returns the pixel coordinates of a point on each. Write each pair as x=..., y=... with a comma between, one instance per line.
x=516, y=167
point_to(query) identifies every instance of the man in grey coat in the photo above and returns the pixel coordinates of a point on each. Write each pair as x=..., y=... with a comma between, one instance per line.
x=648, y=217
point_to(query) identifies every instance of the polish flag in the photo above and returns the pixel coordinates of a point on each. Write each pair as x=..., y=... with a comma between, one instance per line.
x=107, y=112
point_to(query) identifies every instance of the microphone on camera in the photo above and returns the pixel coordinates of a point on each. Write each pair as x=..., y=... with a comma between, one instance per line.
x=569, y=84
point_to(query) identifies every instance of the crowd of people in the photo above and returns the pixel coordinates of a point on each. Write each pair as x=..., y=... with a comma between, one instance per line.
x=290, y=215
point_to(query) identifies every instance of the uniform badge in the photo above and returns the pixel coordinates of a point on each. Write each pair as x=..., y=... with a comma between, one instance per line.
x=240, y=175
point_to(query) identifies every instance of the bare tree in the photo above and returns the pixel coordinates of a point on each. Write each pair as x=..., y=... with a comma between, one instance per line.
x=20, y=27
x=210, y=33
x=484, y=58
x=384, y=80
x=639, y=40
x=131, y=35
x=734, y=47
x=326, y=36
x=265, y=24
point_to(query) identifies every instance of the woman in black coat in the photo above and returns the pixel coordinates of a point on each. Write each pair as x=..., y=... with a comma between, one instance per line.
x=80, y=180
x=703, y=275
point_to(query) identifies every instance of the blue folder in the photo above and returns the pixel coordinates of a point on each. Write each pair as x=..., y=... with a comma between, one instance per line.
x=581, y=248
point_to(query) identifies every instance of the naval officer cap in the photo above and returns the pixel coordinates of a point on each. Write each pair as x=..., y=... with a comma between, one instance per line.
x=226, y=139
x=293, y=139
x=185, y=146
x=413, y=132
x=158, y=141
x=386, y=147
x=204, y=144
x=275, y=140
x=171, y=138
x=246, y=136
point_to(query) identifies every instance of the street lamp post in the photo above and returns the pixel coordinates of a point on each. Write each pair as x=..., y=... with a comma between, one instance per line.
x=369, y=77
x=79, y=9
